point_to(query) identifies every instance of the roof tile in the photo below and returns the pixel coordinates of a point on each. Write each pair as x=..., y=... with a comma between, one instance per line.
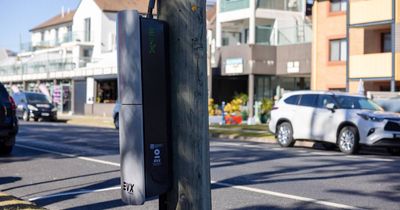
x=56, y=20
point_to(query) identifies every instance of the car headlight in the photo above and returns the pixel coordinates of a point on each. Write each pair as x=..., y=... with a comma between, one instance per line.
x=32, y=108
x=371, y=118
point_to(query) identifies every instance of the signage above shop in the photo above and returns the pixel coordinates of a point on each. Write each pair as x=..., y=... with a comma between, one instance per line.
x=234, y=66
x=293, y=67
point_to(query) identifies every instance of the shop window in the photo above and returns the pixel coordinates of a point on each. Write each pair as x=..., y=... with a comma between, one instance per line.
x=106, y=91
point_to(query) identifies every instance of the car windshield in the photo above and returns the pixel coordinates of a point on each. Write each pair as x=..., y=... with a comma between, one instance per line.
x=353, y=102
x=37, y=98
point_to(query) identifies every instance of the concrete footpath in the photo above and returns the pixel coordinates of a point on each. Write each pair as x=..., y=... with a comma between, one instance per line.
x=96, y=121
x=10, y=203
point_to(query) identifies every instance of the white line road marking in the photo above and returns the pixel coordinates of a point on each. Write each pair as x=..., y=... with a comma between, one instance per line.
x=250, y=189
x=74, y=193
x=69, y=155
x=283, y=195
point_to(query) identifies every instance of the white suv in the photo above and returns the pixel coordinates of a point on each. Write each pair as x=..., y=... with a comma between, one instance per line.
x=338, y=118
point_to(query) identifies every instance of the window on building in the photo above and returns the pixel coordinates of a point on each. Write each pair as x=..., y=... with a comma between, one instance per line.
x=87, y=30
x=263, y=34
x=246, y=36
x=56, y=36
x=106, y=91
x=386, y=42
x=42, y=36
x=338, y=5
x=263, y=87
x=225, y=41
x=87, y=53
x=337, y=50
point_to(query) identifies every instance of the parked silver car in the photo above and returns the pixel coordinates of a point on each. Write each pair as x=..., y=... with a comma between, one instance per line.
x=337, y=118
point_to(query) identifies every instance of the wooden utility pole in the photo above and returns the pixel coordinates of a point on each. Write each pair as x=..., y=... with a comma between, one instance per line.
x=189, y=116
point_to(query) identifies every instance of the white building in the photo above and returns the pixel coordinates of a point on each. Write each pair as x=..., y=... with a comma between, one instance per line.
x=260, y=45
x=74, y=55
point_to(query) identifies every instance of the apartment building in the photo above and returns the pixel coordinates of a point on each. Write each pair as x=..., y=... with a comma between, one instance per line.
x=355, y=40
x=261, y=46
x=329, y=45
x=72, y=57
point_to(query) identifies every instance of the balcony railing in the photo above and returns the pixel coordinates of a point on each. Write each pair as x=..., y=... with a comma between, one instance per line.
x=371, y=65
x=295, y=35
x=21, y=68
x=370, y=11
x=230, y=5
x=267, y=35
x=45, y=66
x=66, y=38
x=286, y=5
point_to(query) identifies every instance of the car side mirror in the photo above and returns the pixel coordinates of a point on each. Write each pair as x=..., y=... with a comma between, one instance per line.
x=331, y=106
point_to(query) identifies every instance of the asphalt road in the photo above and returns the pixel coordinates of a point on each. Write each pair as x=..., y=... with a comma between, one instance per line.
x=60, y=166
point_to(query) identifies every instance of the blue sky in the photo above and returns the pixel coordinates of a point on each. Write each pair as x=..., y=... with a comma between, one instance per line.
x=18, y=16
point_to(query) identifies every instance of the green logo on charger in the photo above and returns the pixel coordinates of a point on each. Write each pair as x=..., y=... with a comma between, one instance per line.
x=152, y=41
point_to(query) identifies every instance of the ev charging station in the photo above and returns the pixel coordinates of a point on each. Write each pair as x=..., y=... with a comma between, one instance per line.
x=143, y=93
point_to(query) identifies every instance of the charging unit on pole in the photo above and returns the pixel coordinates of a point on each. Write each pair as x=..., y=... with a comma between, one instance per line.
x=144, y=114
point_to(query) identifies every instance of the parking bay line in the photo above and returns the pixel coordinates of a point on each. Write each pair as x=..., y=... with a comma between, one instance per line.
x=250, y=189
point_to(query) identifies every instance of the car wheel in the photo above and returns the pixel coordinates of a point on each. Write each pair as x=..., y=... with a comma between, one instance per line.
x=284, y=135
x=25, y=116
x=6, y=148
x=36, y=119
x=393, y=151
x=348, y=140
x=116, y=121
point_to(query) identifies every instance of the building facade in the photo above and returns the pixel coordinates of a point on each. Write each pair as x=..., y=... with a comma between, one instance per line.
x=72, y=57
x=261, y=46
x=329, y=29
x=356, y=40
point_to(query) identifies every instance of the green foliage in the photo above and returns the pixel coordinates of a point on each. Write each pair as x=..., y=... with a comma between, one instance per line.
x=243, y=97
x=213, y=109
x=245, y=115
x=266, y=105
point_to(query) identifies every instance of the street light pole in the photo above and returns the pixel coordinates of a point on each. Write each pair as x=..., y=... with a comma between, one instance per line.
x=189, y=114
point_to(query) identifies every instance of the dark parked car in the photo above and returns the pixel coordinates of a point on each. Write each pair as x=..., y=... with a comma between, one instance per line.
x=34, y=105
x=8, y=121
